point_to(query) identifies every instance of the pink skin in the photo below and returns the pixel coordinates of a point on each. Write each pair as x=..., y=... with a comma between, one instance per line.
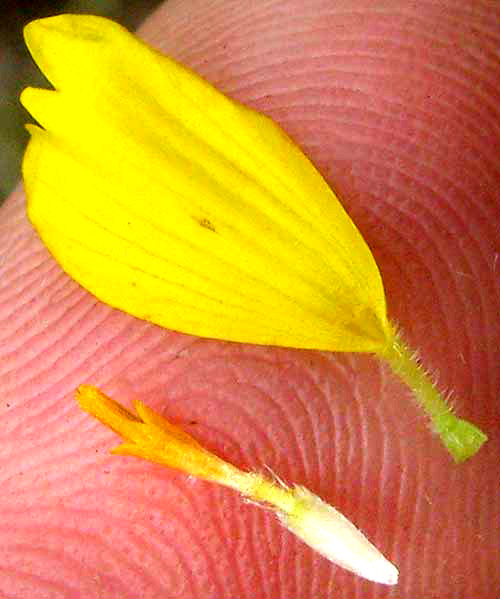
x=398, y=107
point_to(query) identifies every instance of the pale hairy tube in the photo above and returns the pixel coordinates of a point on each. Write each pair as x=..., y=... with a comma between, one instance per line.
x=321, y=526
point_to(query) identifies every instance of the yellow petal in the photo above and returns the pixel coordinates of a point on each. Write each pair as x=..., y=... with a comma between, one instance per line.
x=169, y=201
x=175, y=204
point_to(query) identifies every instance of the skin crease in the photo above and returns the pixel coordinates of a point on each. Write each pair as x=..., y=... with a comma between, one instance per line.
x=398, y=107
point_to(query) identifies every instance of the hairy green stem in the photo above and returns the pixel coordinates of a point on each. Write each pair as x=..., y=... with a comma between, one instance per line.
x=460, y=437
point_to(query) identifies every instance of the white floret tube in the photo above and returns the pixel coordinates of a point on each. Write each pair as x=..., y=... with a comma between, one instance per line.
x=331, y=534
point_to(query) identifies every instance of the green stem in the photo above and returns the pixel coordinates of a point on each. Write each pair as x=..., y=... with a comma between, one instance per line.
x=460, y=437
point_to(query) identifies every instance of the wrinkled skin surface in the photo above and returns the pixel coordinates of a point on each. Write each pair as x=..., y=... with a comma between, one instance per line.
x=398, y=107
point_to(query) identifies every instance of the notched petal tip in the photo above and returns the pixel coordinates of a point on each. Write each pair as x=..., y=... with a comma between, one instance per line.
x=33, y=129
x=60, y=45
x=25, y=96
x=44, y=105
x=87, y=27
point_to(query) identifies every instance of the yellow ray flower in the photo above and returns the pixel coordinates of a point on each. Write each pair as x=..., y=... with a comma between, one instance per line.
x=168, y=200
x=318, y=524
